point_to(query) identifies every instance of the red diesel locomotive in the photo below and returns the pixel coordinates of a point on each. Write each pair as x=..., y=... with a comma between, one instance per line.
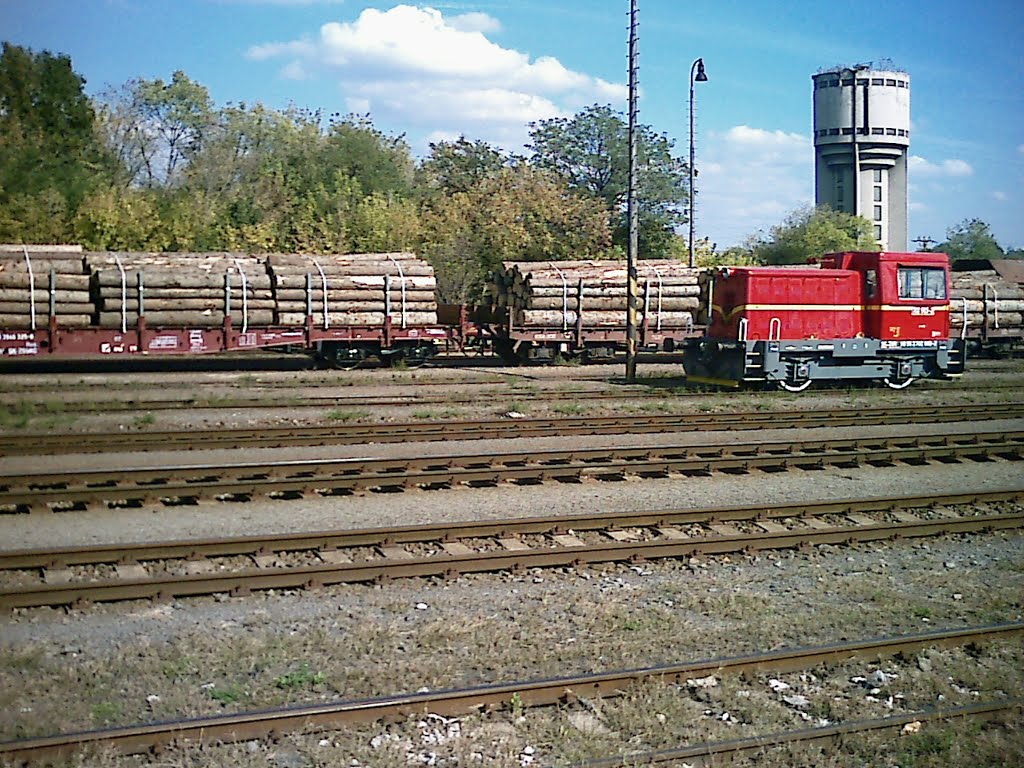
x=874, y=316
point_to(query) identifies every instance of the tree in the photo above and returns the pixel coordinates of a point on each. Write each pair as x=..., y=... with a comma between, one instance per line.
x=458, y=166
x=519, y=213
x=591, y=152
x=154, y=128
x=971, y=239
x=49, y=155
x=809, y=232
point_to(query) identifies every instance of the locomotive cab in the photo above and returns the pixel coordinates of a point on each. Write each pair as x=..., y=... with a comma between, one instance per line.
x=861, y=315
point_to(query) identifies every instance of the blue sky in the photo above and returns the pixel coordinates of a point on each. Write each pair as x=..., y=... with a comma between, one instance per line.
x=486, y=69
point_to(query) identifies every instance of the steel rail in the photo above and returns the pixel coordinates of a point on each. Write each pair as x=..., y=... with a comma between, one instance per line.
x=455, y=561
x=715, y=753
x=233, y=546
x=451, y=702
x=37, y=491
x=333, y=401
x=491, y=429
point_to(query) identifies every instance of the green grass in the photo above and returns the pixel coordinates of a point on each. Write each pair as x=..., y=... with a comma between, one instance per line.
x=228, y=695
x=105, y=712
x=429, y=413
x=145, y=420
x=54, y=413
x=569, y=409
x=343, y=416
x=300, y=678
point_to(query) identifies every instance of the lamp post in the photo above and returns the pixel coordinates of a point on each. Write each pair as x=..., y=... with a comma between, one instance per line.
x=698, y=68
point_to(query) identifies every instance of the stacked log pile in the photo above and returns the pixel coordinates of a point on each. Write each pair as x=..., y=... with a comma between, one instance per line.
x=990, y=300
x=27, y=274
x=557, y=294
x=353, y=289
x=180, y=289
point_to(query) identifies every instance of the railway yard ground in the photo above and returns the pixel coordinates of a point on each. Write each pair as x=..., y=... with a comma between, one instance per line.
x=487, y=527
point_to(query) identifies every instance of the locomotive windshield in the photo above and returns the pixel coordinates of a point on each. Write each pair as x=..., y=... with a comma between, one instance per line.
x=922, y=283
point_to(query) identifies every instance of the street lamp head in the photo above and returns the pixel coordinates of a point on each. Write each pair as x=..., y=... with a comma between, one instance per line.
x=701, y=76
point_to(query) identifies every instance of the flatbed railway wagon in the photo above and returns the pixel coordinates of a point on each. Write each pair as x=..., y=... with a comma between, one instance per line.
x=860, y=316
x=56, y=301
x=988, y=305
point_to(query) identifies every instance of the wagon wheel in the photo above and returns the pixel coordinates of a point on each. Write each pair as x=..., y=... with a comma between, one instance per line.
x=415, y=356
x=348, y=358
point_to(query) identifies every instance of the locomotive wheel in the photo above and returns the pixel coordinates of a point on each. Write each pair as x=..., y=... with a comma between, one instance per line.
x=898, y=383
x=793, y=386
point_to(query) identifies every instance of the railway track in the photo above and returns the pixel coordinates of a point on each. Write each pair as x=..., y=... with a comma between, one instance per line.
x=336, y=402
x=174, y=569
x=190, y=484
x=491, y=429
x=246, y=726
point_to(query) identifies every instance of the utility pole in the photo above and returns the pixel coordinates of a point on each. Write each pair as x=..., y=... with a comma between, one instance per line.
x=631, y=253
x=924, y=242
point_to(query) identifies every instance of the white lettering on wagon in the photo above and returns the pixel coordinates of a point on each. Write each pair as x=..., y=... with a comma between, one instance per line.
x=909, y=344
x=163, y=342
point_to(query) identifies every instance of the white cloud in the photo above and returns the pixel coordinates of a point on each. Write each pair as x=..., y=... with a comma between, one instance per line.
x=918, y=166
x=1000, y=196
x=748, y=180
x=1020, y=149
x=475, y=22
x=414, y=68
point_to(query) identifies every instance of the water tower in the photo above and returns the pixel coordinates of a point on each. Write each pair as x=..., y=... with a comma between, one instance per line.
x=861, y=138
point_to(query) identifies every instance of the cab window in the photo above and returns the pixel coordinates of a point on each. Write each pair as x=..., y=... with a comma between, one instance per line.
x=922, y=282
x=870, y=283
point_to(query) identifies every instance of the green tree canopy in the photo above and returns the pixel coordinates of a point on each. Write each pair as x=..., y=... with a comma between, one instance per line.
x=518, y=213
x=971, y=239
x=809, y=232
x=591, y=151
x=49, y=155
x=456, y=166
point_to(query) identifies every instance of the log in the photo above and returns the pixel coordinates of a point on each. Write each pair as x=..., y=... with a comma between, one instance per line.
x=170, y=305
x=65, y=281
x=603, y=291
x=977, y=305
x=176, y=278
x=41, y=266
x=554, y=319
x=355, y=282
x=185, y=319
x=34, y=248
x=358, y=306
x=411, y=294
x=43, y=308
x=283, y=259
x=42, y=294
x=615, y=304
x=355, y=268
x=358, y=318
x=22, y=322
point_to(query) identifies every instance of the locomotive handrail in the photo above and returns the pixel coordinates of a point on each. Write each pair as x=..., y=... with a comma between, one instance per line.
x=774, y=329
x=995, y=306
x=741, y=329
x=963, y=327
